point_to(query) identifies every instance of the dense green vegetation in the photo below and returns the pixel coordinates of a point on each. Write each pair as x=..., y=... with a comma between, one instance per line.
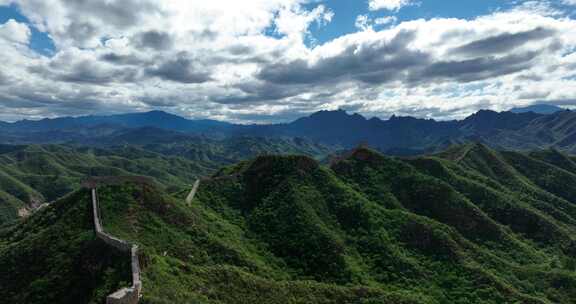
x=469, y=225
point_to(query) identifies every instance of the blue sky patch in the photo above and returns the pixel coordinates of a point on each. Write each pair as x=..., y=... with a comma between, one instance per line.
x=39, y=41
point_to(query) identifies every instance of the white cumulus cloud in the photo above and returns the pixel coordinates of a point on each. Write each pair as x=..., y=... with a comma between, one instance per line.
x=391, y=5
x=14, y=31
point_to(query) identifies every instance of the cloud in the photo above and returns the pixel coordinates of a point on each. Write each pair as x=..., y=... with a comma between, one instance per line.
x=370, y=62
x=3, y=79
x=248, y=61
x=477, y=68
x=386, y=61
x=153, y=39
x=385, y=20
x=83, y=22
x=391, y=5
x=362, y=22
x=365, y=23
x=122, y=59
x=13, y=31
x=295, y=23
x=91, y=73
x=180, y=69
x=503, y=42
x=253, y=93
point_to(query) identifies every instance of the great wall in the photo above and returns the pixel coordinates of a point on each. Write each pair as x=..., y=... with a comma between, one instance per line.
x=132, y=294
x=192, y=193
x=128, y=295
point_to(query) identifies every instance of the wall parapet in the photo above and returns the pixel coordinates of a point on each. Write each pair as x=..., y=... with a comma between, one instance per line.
x=127, y=295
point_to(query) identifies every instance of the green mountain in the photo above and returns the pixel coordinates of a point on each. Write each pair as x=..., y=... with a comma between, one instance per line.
x=31, y=175
x=469, y=225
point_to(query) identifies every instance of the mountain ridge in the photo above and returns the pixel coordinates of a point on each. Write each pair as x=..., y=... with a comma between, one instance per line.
x=397, y=135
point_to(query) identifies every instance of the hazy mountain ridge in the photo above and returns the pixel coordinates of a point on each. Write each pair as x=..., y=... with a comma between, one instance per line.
x=397, y=135
x=538, y=108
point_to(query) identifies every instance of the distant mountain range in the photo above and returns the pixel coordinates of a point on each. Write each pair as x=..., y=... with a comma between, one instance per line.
x=529, y=128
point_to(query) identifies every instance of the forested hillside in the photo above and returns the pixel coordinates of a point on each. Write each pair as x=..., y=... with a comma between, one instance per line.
x=469, y=225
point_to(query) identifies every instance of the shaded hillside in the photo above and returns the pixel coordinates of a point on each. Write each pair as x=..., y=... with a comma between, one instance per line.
x=470, y=225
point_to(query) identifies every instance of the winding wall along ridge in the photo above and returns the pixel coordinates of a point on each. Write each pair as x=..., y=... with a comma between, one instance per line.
x=127, y=295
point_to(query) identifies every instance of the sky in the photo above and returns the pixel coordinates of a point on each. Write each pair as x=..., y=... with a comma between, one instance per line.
x=263, y=61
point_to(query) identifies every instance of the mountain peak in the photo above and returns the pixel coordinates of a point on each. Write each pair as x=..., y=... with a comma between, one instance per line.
x=159, y=113
x=331, y=113
x=539, y=109
x=328, y=118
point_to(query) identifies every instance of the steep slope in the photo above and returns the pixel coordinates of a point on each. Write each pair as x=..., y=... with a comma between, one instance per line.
x=526, y=179
x=10, y=208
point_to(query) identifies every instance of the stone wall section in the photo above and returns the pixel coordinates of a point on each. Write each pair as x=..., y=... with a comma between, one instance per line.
x=192, y=193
